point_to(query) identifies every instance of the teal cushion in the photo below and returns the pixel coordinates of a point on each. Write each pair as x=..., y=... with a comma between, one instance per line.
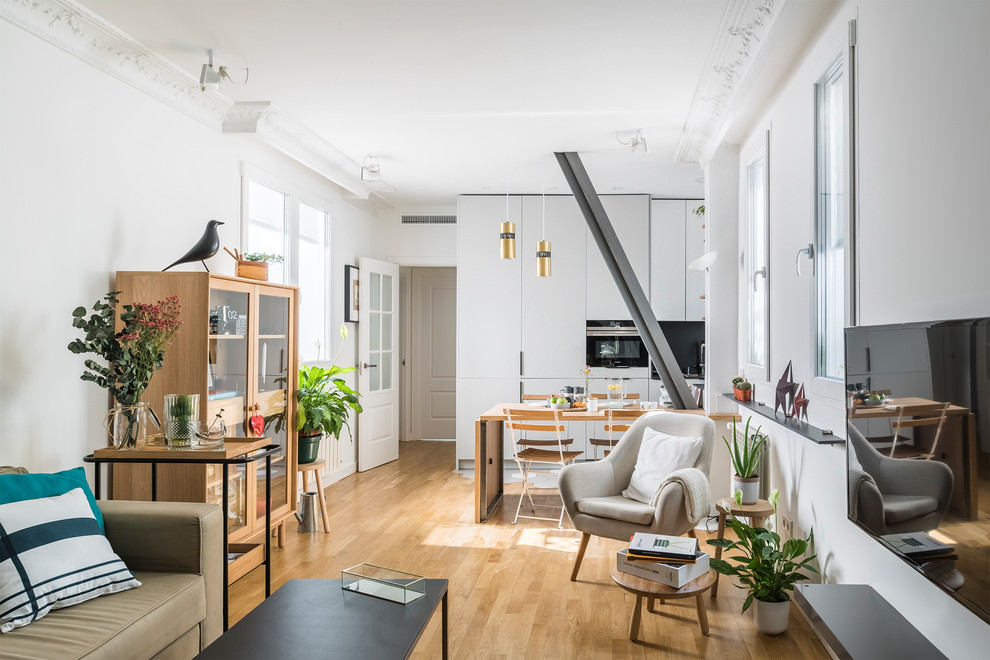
x=20, y=487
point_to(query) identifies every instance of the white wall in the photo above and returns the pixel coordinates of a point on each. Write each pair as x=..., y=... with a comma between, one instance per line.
x=721, y=222
x=97, y=177
x=924, y=139
x=419, y=245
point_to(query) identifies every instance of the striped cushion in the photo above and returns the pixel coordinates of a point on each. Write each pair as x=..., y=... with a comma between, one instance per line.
x=53, y=554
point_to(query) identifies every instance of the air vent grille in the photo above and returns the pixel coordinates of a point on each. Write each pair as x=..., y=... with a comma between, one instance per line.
x=429, y=219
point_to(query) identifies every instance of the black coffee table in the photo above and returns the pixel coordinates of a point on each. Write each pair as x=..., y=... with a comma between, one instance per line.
x=317, y=619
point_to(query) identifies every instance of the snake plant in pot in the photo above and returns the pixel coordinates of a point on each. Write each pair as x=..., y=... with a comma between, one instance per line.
x=767, y=568
x=323, y=405
x=746, y=450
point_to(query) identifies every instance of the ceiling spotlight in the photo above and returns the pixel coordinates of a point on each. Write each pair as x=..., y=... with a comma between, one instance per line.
x=371, y=170
x=634, y=140
x=210, y=78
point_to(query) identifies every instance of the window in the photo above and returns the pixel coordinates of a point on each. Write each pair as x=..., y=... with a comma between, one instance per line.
x=267, y=223
x=757, y=253
x=314, y=273
x=279, y=221
x=830, y=221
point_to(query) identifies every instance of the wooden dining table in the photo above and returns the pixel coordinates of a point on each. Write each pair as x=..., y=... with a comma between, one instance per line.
x=956, y=448
x=489, y=444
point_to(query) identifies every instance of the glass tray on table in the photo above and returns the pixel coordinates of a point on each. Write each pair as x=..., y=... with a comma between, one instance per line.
x=385, y=583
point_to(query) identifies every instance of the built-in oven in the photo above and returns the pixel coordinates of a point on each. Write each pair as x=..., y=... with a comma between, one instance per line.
x=615, y=345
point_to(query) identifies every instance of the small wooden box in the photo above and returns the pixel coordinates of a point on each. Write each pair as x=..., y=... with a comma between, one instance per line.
x=253, y=270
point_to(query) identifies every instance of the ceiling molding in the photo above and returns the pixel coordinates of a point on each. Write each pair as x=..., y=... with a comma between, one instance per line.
x=745, y=29
x=78, y=31
x=284, y=132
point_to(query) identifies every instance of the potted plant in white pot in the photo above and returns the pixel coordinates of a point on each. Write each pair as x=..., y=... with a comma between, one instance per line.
x=746, y=450
x=767, y=568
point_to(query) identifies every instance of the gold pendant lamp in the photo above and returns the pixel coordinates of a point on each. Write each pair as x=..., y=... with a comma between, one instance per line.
x=507, y=240
x=543, y=258
x=543, y=246
x=507, y=230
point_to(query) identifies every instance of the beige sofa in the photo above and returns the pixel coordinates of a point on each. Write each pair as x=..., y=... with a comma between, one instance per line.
x=173, y=548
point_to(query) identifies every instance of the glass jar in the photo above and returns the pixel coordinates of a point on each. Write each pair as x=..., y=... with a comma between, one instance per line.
x=616, y=392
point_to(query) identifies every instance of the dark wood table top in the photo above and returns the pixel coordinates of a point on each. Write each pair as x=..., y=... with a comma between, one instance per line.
x=317, y=619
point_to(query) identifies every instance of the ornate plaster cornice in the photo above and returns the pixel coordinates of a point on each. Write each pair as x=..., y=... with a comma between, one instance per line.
x=284, y=132
x=745, y=29
x=80, y=32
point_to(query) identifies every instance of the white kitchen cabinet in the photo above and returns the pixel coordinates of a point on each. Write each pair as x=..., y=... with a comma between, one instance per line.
x=630, y=217
x=475, y=396
x=667, y=258
x=694, y=247
x=553, y=308
x=488, y=289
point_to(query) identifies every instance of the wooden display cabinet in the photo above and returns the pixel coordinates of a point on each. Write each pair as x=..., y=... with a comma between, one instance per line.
x=237, y=350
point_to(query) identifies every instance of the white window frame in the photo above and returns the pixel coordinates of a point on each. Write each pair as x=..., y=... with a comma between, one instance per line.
x=758, y=274
x=832, y=387
x=295, y=194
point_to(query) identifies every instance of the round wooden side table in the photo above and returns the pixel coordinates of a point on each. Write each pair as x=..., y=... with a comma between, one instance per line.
x=651, y=590
x=315, y=468
x=757, y=513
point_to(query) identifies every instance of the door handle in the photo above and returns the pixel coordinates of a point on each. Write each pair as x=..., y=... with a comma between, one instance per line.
x=366, y=365
x=762, y=272
x=810, y=251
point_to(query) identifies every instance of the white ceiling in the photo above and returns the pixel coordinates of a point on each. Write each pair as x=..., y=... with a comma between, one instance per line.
x=460, y=96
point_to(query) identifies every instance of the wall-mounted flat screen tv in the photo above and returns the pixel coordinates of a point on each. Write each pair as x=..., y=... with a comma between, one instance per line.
x=918, y=412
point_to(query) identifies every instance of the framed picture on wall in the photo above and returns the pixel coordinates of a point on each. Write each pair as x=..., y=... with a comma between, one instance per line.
x=351, y=279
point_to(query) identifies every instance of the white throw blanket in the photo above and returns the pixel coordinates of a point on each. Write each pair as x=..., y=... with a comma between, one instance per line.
x=697, y=493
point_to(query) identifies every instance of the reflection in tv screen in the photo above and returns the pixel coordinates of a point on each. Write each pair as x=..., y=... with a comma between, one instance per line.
x=918, y=449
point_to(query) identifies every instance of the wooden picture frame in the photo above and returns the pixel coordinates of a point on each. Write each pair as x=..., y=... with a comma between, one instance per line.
x=351, y=282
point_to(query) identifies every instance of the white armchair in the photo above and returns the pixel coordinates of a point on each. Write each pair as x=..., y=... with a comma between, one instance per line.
x=592, y=492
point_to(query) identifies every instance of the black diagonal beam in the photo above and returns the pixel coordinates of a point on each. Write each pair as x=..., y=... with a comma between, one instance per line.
x=625, y=279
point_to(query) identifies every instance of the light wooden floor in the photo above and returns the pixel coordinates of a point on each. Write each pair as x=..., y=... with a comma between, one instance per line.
x=510, y=593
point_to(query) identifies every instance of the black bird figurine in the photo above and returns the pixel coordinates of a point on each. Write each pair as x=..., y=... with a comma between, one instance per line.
x=207, y=246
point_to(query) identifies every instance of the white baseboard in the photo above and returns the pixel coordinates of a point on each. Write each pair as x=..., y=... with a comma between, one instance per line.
x=340, y=473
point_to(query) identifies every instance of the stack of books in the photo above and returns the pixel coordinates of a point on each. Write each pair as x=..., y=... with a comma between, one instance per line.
x=670, y=560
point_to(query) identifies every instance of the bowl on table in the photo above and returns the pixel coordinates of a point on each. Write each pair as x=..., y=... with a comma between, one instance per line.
x=560, y=406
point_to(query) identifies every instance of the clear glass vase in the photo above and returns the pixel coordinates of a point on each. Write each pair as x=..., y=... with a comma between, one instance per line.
x=127, y=426
x=181, y=420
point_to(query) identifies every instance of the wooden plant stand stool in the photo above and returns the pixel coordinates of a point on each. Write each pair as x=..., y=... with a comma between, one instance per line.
x=315, y=467
x=757, y=513
x=651, y=591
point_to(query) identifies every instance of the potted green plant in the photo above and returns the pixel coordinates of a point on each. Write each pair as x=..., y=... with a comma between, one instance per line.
x=767, y=568
x=254, y=265
x=742, y=389
x=746, y=450
x=323, y=405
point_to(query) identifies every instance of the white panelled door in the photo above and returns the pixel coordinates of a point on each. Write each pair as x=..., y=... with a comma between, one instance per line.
x=378, y=363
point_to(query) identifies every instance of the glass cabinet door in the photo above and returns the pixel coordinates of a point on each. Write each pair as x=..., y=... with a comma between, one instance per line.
x=272, y=392
x=227, y=393
x=227, y=373
x=236, y=511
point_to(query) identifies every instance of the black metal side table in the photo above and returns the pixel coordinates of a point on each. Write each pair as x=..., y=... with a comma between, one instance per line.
x=233, y=453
